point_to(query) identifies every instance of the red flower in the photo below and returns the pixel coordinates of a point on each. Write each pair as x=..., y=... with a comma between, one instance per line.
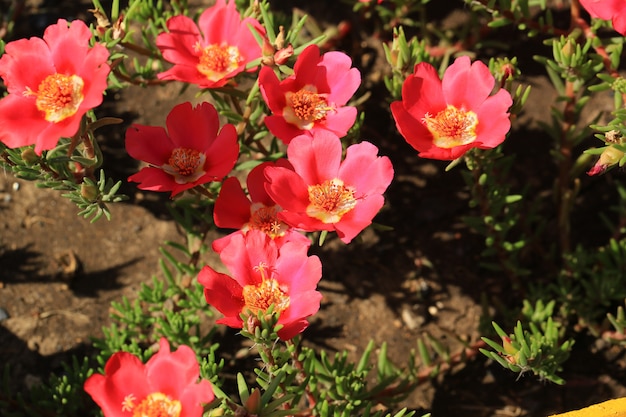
x=444, y=119
x=323, y=193
x=312, y=99
x=264, y=275
x=213, y=51
x=613, y=10
x=52, y=83
x=235, y=210
x=190, y=153
x=167, y=385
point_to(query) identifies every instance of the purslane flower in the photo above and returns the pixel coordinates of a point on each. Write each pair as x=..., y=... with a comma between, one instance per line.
x=263, y=275
x=193, y=150
x=256, y=211
x=443, y=119
x=313, y=98
x=213, y=51
x=167, y=385
x=52, y=82
x=613, y=10
x=324, y=193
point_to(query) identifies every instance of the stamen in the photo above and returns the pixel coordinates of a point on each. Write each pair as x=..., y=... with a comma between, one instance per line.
x=265, y=219
x=452, y=127
x=58, y=96
x=185, y=165
x=216, y=61
x=330, y=201
x=157, y=405
x=260, y=297
x=305, y=107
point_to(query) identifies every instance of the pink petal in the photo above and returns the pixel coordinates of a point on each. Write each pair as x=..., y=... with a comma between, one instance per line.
x=297, y=270
x=339, y=121
x=279, y=127
x=364, y=170
x=222, y=292
x=493, y=120
x=287, y=188
x=413, y=131
x=357, y=219
x=316, y=159
x=170, y=373
x=422, y=92
x=177, y=45
x=271, y=90
x=123, y=375
x=25, y=64
x=466, y=86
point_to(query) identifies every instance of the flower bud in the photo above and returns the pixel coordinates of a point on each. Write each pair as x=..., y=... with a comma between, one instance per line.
x=29, y=156
x=568, y=49
x=89, y=192
x=283, y=55
x=609, y=157
x=253, y=404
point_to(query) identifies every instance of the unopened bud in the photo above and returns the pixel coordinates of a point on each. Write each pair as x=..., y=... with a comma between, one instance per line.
x=118, y=28
x=89, y=192
x=609, y=157
x=280, y=39
x=102, y=21
x=253, y=404
x=29, y=156
x=283, y=55
x=252, y=323
x=568, y=49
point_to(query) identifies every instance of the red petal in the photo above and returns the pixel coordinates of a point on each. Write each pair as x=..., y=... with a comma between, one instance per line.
x=232, y=207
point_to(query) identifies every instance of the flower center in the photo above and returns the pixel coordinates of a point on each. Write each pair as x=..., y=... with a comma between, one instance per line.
x=218, y=60
x=265, y=219
x=58, y=96
x=185, y=165
x=261, y=296
x=452, y=127
x=305, y=107
x=330, y=201
x=154, y=405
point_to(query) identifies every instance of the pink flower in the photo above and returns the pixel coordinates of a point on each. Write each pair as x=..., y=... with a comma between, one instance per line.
x=313, y=98
x=613, y=10
x=52, y=83
x=213, y=51
x=167, y=385
x=264, y=275
x=235, y=210
x=444, y=119
x=323, y=193
x=190, y=153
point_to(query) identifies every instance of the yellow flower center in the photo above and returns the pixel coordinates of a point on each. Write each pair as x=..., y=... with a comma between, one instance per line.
x=185, y=165
x=330, y=200
x=218, y=60
x=305, y=107
x=154, y=405
x=58, y=96
x=452, y=127
x=261, y=296
x=265, y=219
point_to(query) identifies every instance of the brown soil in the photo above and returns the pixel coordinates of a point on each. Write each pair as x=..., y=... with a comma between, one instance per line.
x=60, y=273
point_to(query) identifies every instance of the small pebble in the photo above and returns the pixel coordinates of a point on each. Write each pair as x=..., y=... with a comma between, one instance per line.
x=16, y=186
x=3, y=314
